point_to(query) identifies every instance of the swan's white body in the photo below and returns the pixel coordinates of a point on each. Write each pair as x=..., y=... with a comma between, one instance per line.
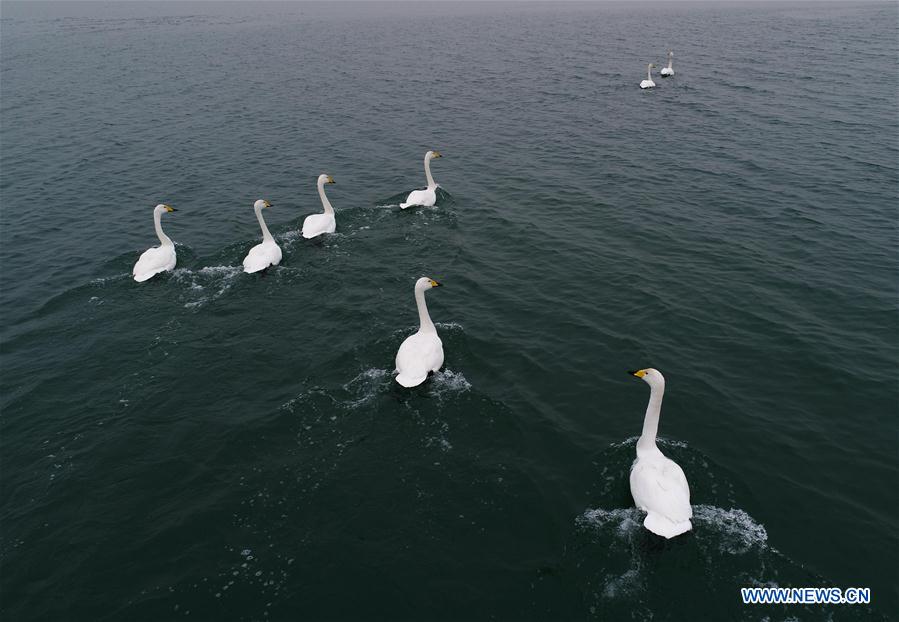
x=658, y=484
x=266, y=254
x=668, y=71
x=317, y=224
x=422, y=352
x=159, y=258
x=428, y=196
x=648, y=83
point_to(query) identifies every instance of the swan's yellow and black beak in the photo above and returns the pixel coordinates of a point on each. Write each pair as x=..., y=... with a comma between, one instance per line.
x=436, y=154
x=434, y=283
x=266, y=203
x=330, y=180
x=639, y=373
x=169, y=208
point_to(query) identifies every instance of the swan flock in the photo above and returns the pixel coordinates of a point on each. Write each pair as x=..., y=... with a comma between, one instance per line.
x=162, y=258
x=658, y=484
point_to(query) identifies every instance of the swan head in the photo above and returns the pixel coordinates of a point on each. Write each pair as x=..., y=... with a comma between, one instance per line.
x=162, y=207
x=326, y=179
x=425, y=283
x=261, y=204
x=670, y=53
x=652, y=377
x=651, y=66
x=431, y=155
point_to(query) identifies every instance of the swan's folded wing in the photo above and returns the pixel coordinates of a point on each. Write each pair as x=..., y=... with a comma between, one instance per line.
x=414, y=198
x=433, y=354
x=153, y=261
x=426, y=198
x=419, y=354
x=261, y=257
x=661, y=487
x=317, y=224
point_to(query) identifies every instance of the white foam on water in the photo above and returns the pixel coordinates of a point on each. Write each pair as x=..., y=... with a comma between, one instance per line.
x=448, y=325
x=110, y=279
x=290, y=236
x=216, y=280
x=622, y=585
x=664, y=442
x=448, y=381
x=631, y=440
x=716, y=530
x=227, y=271
x=365, y=386
x=294, y=235
x=668, y=442
x=440, y=440
x=740, y=532
x=623, y=522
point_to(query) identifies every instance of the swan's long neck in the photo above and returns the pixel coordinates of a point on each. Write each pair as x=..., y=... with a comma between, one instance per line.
x=431, y=182
x=426, y=325
x=670, y=60
x=163, y=238
x=325, y=202
x=649, y=73
x=651, y=420
x=266, y=236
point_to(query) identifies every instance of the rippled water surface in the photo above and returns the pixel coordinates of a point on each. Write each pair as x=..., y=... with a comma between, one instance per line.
x=220, y=446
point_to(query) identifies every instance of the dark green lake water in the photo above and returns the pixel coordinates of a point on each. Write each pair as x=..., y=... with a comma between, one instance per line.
x=219, y=446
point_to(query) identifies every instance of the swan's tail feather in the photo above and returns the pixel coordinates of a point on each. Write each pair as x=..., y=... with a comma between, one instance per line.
x=146, y=276
x=408, y=380
x=661, y=526
x=250, y=266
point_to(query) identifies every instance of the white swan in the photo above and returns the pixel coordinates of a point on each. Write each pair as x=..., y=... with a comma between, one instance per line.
x=648, y=83
x=316, y=224
x=422, y=352
x=266, y=254
x=658, y=484
x=159, y=258
x=668, y=71
x=428, y=196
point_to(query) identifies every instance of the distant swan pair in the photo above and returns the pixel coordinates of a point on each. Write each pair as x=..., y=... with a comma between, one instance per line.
x=665, y=72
